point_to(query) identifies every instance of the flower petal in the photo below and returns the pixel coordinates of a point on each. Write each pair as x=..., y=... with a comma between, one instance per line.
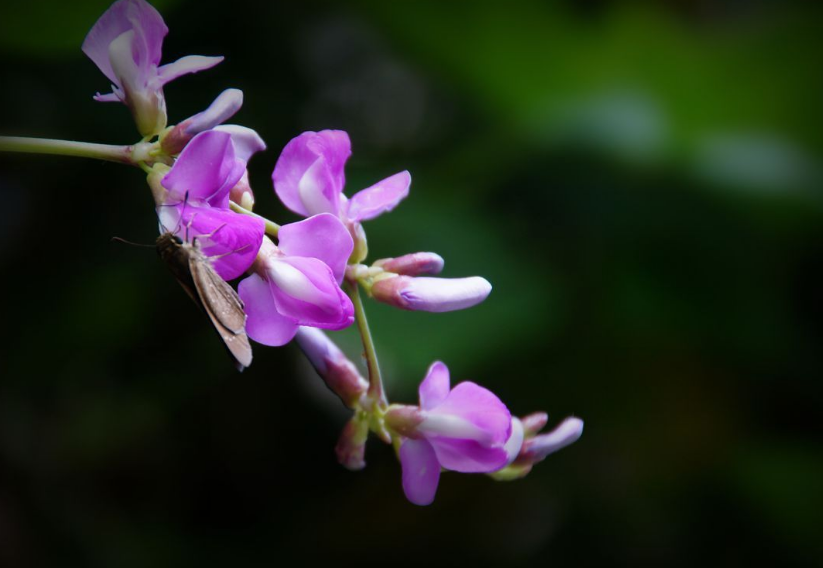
x=122, y=16
x=323, y=237
x=220, y=110
x=230, y=240
x=246, y=141
x=305, y=289
x=515, y=441
x=567, y=432
x=184, y=66
x=205, y=169
x=381, y=197
x=264, y=323
x=435, y=387
x=479, y=407
x=421, y=471
x=308, y=177
x=467, y=456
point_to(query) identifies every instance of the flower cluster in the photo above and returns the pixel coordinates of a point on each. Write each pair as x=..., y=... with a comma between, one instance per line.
x=301, y=278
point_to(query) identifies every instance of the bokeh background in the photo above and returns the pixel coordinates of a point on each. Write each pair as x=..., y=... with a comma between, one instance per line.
x=641, y=182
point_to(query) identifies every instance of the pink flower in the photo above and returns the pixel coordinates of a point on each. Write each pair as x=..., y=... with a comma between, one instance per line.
x=196, y=200
x=126, y=44
x=297, y=282
x=466, y=429
x=309, y=179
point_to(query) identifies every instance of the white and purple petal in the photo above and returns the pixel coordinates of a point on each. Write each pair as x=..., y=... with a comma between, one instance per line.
x=323, y=237
x=264, y=323
x=305, y=289
x=308, y=177
x=471, y=404
x=381, y=197
x=184, y=66
x=247, y=142
x=121, y=17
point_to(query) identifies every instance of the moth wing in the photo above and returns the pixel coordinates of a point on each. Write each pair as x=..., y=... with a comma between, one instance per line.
x=177, y=258
x=223, y=306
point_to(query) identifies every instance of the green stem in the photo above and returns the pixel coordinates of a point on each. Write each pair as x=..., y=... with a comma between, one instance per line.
x=119, y=154
x=375, y=391
x=271, y=227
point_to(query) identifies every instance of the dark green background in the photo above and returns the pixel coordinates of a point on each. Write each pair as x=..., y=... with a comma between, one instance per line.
x=640, y=181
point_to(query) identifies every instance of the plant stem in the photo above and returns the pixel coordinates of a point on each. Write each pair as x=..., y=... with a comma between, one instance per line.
x=375, y=391
x=119, y=154
x=271, y=227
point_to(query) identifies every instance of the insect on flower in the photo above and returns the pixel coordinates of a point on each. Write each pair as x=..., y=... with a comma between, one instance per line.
x=194, y=272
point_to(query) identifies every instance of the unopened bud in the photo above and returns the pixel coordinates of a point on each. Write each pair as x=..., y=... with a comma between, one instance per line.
x=224, y=106
x=536, y=449
x=339, y=374
x=431, y=294
x=413, y=264
x=242, y=194
x=534, y=422
x=351, y=446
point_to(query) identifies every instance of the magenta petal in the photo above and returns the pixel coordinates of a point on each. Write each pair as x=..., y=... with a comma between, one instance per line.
x=379, y=198
x=230, y=240
x=205, y=169
x=305, y=289
x=467, y=456
x=246, y=141
x=308, y=177
x=186, y=65
x=479, y=407
x=122, y=16
x=435, y=387
x=323, y=237
x=264, y=323
x=421, y=471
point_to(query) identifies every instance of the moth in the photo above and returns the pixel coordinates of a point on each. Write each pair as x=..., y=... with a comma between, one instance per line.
x=194, y=272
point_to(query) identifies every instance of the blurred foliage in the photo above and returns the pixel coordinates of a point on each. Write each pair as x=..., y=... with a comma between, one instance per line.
x=640, y=181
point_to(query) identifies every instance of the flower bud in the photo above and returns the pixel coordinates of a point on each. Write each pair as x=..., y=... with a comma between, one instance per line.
x=242, y=194
x=413, y=264
x=224, y=107
x=431, y=294
x=536, y=449
x=351, y=446
x=534, y=422
x=339, y=374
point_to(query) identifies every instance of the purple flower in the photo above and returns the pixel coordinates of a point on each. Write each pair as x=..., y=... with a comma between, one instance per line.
x=431, y=294
x=126, y=44
x=466, y=429
x=297, y=282
x=309, y=179
x=195, y=203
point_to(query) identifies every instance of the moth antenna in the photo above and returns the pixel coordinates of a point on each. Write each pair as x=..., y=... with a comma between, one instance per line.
x=124, y=241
